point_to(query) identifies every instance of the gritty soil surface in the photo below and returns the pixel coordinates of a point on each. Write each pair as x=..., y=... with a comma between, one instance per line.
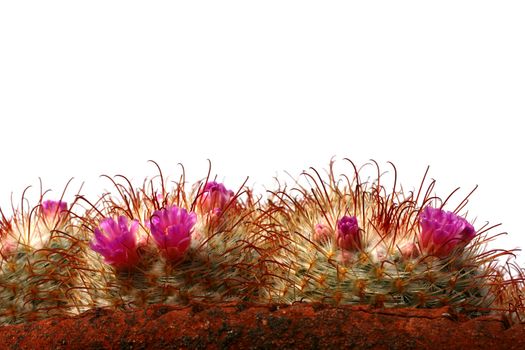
x=245, y=326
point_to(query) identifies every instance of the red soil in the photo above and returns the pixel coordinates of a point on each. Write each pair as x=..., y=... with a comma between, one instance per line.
x=243, y=326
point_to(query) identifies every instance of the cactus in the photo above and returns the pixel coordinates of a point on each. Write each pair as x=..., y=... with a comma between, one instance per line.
x=346, y=243
x=41, y=267
x=327, y=239
x=210, y=255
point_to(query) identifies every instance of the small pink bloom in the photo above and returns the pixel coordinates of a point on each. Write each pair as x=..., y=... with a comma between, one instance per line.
x=7, y=246
x=322, y=233
x=117, y=242
x=348, y=235
x=344, y=257
x=214, y=196
x=409, y=251
x=443, y=231
x=171, y=229
x=53, y=210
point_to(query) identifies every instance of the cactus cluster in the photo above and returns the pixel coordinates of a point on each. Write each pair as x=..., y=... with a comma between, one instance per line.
x=327, y=239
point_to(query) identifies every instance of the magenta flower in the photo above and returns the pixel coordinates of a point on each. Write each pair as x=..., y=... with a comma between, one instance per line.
x=117, y=242
x=171, y=228
x=215, y=196
x=443, y=231
x=348, y=234
x=53, y=209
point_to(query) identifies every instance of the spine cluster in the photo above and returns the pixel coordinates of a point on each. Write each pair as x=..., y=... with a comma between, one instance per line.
x=327, y=239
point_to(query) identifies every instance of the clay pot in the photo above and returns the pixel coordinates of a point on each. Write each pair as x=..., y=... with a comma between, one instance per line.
x=246, y=326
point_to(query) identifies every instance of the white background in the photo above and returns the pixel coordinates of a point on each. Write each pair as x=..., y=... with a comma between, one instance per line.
x=264, y=87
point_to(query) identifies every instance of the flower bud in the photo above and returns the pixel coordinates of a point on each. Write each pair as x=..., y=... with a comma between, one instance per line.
x=409, y=251
x=322, y=233
x=215, y=196
x=348, y=234
x=54, y=211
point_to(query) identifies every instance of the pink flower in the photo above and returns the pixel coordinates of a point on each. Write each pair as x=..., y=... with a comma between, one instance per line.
x=7, y=246
x=54, y=210
x=348, y=235
x=171, y=229
x=409, y=251
x=321, y=233
x=117, y=242
x=214, y=196
x=443, y=231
